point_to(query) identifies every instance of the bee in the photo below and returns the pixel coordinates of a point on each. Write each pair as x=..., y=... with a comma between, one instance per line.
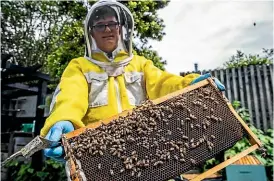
x=184, y=151
x=212, y=136
x=99, y=166
x=200, y=95
x=169, y=132
x=95, y=152
x=100, y=152
x=139, y=174
x=197, y=125
x=204, y=126
x=114, y=165
x=176, y=157
x=122, y=170
x=192, y=116
x=191, y=126
x=158, y=163
x=182, y=160
x=170, y=116
x=111, y=172
x=192, y=140
x=201, y=140
x=185, y=137
x=205, y=107
x=186, y=144
x=187, y=119
x=182, y=122
x=206, y=92
x=192, y=161
x=176, y=146
x=188, y=110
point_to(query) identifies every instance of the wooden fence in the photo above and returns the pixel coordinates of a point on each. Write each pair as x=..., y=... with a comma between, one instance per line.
x=253, y=87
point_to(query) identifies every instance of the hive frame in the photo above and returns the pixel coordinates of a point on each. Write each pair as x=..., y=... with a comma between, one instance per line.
x=254, y=141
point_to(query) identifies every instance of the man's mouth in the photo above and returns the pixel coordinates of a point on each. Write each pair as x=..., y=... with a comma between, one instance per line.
x=108, y=37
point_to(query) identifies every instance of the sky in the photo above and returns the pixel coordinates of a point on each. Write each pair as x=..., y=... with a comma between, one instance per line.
x=209, y=32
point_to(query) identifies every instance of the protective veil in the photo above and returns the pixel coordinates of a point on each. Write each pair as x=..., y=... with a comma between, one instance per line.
x=126, y=22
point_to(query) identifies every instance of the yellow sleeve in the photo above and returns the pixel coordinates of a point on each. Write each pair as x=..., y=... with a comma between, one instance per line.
x=70, y=101
x=160, y=83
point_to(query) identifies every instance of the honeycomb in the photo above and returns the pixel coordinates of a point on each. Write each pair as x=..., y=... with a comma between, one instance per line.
x=157, y=141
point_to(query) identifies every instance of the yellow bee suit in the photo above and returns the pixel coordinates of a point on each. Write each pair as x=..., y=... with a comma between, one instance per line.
x=86, y=94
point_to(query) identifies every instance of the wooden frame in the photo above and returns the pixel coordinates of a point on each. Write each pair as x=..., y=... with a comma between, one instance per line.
x=255, y=143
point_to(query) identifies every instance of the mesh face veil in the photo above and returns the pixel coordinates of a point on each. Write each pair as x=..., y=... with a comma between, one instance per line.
x=126, y=23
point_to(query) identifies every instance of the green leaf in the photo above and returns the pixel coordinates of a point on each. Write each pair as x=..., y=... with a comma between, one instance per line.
x=30, y=170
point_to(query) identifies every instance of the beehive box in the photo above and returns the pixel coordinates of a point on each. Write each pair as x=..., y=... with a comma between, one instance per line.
x=160, y=139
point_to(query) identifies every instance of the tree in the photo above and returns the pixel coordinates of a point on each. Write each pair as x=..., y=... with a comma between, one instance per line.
x=26, y=28
x=51, y=32
x=241, y=59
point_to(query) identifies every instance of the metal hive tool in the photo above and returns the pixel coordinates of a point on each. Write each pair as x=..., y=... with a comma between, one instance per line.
x=159, y=140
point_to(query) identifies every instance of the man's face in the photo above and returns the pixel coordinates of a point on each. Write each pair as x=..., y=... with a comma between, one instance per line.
x=106, y=37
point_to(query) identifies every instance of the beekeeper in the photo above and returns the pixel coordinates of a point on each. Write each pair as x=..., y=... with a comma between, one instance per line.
x=109, y=78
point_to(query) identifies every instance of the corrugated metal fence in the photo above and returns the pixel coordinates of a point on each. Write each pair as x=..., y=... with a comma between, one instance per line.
x=253, y=87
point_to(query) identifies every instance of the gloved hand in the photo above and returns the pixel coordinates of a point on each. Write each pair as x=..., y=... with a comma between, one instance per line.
x=220, y=86
x=54, y=134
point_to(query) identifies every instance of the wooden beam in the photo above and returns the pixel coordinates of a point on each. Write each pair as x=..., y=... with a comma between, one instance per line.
x=30, y=71
x=21, y=86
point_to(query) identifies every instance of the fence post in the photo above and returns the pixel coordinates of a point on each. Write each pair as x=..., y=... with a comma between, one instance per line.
x=255, y=96
x=248, y=93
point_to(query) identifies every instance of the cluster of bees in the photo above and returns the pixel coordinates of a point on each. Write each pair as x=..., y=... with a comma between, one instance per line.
x=146, y=128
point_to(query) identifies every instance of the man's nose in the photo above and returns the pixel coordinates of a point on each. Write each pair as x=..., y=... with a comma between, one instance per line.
x=107, y=29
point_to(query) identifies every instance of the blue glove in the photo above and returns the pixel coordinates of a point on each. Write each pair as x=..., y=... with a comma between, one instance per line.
x=220, y=86
x=54, y=134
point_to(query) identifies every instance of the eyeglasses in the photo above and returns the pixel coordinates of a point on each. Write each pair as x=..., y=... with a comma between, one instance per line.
x=102, y=27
